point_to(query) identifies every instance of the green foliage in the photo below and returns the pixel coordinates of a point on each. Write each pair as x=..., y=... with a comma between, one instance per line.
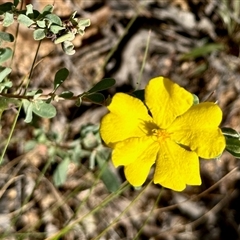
x=45, y=24
x=25, y=20
x=6, y=7
x=60, y=175
x=4, y=71
x=39, y=34
x=232, y=141
x=60, y=77
x=195, y=99
x=4, y=36
x=88, y=145
x=139, y=94
x=96, y=98
x=8, y=19
x=106, y=174
x=67, y=46
x=5, y=54
x=39, y=107
x=102, y=85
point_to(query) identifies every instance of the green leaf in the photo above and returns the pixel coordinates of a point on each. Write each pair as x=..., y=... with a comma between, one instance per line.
x=5, y=85
x=16, y=2
x=232, y=141
x=60, y=174
x=102, y=85
x=64, y=38
x=229, y=132
x=6, y=7
x=195, y=99
x=73, y=15
x=8, y=19
x=29, y=8
x=66, y=94
x=109, y=179
x=139, y=94
x=60, y=77
x=97, y=98
x=5, y=54
x=47, y=9
x=56, y=29
x=43, y=109
x=4, y=71
x=68, y=47
x=233, y=146
x=202, y=51
x=82, y=24
x=39, y=34
x=53, y=18
x=78, y=102
x=6, y=36
x=25, y=20
x=41, y=23
x=28, y=106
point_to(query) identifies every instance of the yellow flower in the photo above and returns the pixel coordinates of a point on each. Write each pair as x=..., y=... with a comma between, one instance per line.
x=169, y=131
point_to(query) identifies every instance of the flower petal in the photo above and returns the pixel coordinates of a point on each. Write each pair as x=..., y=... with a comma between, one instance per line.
x=166, y=100
x=132, y=149
x=198, y=129
x=125, y=120
x=176, y=167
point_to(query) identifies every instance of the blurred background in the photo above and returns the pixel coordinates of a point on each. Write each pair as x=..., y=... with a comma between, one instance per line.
x=194, y=43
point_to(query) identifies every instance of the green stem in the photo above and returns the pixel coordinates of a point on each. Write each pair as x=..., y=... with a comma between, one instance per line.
x=16, y=37
x=122, y=213
x=10, y=135
x=19, y=109
x=114, y=49
x=143, y=63
x=149, y=215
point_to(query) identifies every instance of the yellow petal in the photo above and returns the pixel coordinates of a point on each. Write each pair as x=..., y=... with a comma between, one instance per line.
x=126, y=119
x=135, y=150
x=137, y=172
x=198, y=129
x=166, y=100
x=176, y=167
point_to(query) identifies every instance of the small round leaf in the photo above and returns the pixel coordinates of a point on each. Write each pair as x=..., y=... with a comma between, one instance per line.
x=6, y=36
x=60, y=77
x=43, y=109
x=25, y=20
x=5, y=54
x=39, y=34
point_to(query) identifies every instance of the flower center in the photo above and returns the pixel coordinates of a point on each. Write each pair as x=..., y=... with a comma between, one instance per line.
x=160, y=134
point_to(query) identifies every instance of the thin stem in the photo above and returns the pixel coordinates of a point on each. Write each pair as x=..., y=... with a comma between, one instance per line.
x=33, y=65
x=114, y=49
x=144, y=62
x=11, y=133
x=20, y=107
x=122, y=213
x=149, y=215
x=16, y=37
